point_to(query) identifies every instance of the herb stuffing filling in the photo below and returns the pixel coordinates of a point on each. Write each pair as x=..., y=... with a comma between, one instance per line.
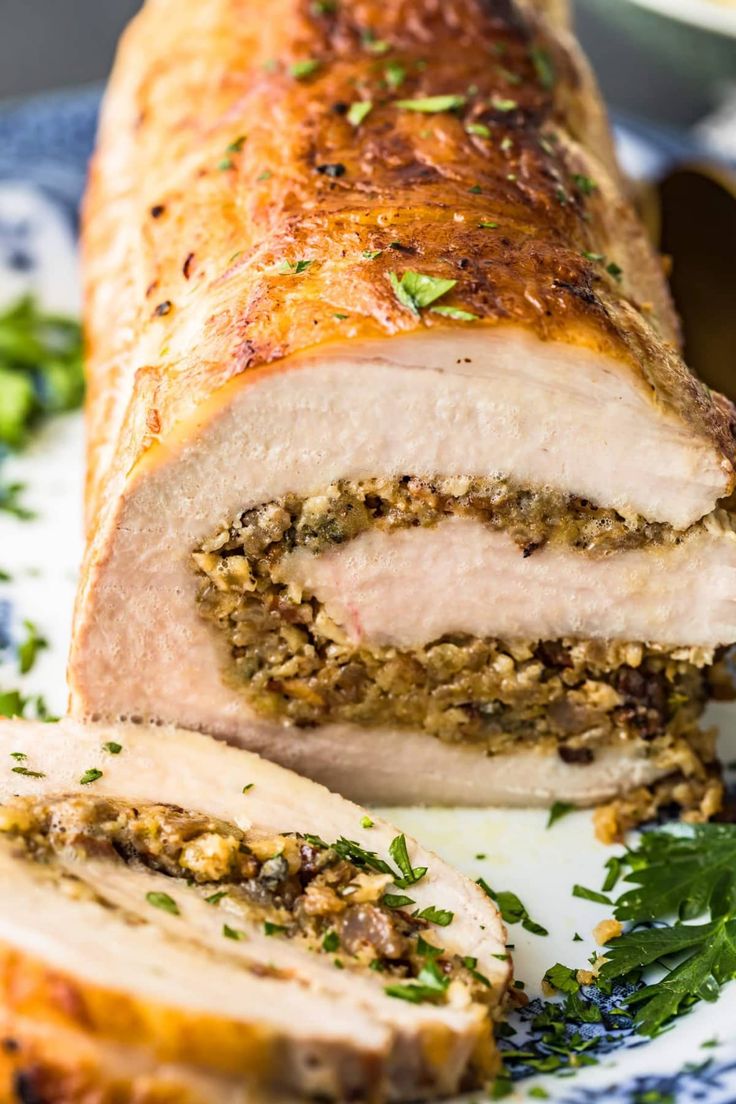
x=293, y=663
x=338, y=899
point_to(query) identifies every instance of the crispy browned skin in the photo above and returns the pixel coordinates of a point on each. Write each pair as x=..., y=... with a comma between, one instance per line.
x=217, y=164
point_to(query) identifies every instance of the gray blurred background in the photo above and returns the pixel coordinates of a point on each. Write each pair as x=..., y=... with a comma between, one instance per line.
x=53, y=43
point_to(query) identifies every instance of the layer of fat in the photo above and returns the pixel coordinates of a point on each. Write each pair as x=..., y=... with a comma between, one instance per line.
x=161, y=764
x=408, y=587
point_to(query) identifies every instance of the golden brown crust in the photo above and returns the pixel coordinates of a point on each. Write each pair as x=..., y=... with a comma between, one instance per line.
x=217, y=164
x=32, y=990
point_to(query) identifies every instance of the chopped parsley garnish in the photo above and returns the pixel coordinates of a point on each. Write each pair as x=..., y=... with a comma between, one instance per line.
x=29, y=648
x=500, y=103
x=40, y=369
x=331, y=942
x=248, y=786
x=511, y=908
x=410, y=875
x=614, y=270
x=584, y=184
x=14, y=704
x=324, y=7
x=372, y=43
x=559, y=810
x=215, y=898
x=89, y=776
x=265, y=175
x=544, y=66
x=353, y=852
x=366, y=822
x=112, y=747
x=371, y=254
x=340, y=317
x=480, y=129
x=430, y=984
x=396, y=900
x=475, y=189
x=441, y=917
x=232, y=933
x=686, y=872
x=304, y=68
x=293, y=268
x=456, y=313
x=270, y=928
x=432, y=105
x=10, y=493
x=394, y=75
x=597, y=257
x=358, y=111
x=562, y=978
x=163, y=901
x=484, y=225
x=416, y=290
x=28, y=773
x=19, y=756
x=590, y=895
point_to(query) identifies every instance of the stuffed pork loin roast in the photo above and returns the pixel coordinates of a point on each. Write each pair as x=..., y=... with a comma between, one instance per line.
x=396, y=473
x=176, y=905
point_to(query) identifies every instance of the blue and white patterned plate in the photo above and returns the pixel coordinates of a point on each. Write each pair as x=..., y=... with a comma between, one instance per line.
x=44, y=146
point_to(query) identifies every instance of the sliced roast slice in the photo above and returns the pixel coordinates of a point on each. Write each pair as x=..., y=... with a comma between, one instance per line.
x=164, y=892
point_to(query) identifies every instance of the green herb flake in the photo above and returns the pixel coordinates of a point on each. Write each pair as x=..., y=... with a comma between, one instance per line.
x=544, y=67
x=29, y=648
x=27, y=773
x=304, y=68
x=371, y=254
x=265, y=175
x=374, y=44
x=19, y=756
x=475, y=189
x=538, y=1093
x=500, y=103
x=432, y=105
x=399, y=852
x=596, y=257
x=270, y=928
x=479, y=129
x=293, y=268
x=359, y=111
x=215, y=898
x=225, y=164
x=248, y=786
x=439, y=916
x=340, y=317
x=584, y=184
x=614, y=270
x=416, y=290
x=90, y=776
x=455, y=313
x=396, y=900
x=331, y=942
x=559, y=810
x=511, y=908
x=590, y=895
x=562, y=978
x=112, y=748
x=485, y=225
x=394, y=75
x=366, y=822
x=163, y=901
x=430, y=984
x=232, y=933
